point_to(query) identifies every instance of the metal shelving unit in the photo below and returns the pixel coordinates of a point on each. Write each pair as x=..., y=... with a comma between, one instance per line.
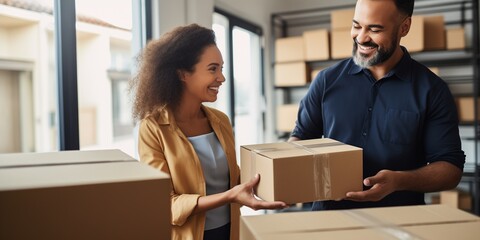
x=462, y=13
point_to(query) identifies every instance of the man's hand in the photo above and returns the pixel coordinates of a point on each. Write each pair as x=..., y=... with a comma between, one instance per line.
x=382, y=184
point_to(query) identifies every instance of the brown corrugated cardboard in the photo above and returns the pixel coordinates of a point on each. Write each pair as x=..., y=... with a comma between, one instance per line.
x=342, y=44
x=435, y=70
x=314, y=73
x=324, y=168
x=317, y=45
x=371, y=223
x=465, y=107
x=342, y=19
x=62, y=158
x=414, y=41
x=289, y=49
x=455, y=38
x=435, y=38
x=426, y=33
x=291, y=74
x=87, y=195
x=286, y=117
x=454, y=198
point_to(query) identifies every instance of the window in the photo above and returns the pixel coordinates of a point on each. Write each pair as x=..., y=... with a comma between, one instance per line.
x=242, y=97
x=29, y=91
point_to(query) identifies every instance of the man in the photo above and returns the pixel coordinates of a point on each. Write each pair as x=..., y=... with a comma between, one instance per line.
x=398, y=111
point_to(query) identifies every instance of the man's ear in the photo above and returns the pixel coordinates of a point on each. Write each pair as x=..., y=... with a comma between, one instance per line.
x=405, y=27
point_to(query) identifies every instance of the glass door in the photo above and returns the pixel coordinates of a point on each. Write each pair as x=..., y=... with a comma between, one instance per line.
x=241, y=97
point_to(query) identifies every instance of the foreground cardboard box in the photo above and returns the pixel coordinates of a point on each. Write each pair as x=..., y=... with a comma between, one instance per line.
x=102, y=194
x=426, y=33
x=286, y=117
x=303, y=171
x=317, y=45
x=291, y=74
x=433, y=222
x=289, y=49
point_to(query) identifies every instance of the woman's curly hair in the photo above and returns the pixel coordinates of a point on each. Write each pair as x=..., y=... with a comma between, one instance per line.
x=157, y=83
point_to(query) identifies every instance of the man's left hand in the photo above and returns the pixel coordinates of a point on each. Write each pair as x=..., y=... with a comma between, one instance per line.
x=382, y=184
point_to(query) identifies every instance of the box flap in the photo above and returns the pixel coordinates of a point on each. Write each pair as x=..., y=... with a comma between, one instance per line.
x=12, y=160
x=79, y=174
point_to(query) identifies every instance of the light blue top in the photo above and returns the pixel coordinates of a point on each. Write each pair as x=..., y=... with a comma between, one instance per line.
x=215, y=170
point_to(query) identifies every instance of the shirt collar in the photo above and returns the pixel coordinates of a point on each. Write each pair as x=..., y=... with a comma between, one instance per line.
x=401, y=70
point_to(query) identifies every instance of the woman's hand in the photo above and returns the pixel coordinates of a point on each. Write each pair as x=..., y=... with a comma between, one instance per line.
x=245, y=195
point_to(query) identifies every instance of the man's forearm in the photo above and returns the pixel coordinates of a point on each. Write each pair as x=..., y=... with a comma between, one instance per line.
x=437, y=176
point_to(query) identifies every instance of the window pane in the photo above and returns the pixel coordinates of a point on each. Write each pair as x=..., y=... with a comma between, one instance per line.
x=220, y=27
x=104, y=60
x=247, y=80
x=28, y=89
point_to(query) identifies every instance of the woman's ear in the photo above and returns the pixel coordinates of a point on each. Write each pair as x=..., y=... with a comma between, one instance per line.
x=181, y=75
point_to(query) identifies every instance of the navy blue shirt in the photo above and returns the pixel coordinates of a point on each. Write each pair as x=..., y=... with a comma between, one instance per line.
x=403, y=121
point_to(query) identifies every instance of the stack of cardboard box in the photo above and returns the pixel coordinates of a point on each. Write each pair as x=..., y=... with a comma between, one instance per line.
x=341, y=25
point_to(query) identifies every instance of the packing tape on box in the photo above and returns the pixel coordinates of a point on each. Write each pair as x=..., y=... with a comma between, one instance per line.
x=388, y=230
x=321, y=170
x=321, y=165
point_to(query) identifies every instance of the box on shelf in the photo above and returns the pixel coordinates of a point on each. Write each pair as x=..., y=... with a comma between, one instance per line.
x=435, y=70
x=291, y=74
x=289, y=49
x=286, y=117
x=82, y=195
x=455, y=38
x=342, y=19
x=465, y=108
x=303, y=171
x=431, y=222
x=317, y=45
x=426, y=33
x=315, y=72
x=454, y=198
x=342, y=44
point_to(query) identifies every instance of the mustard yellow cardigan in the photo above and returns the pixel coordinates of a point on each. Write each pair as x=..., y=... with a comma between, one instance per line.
x=163, y=146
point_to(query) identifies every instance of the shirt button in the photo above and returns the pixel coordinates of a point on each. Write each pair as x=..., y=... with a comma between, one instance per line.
x=364, y=134
x=369, y=109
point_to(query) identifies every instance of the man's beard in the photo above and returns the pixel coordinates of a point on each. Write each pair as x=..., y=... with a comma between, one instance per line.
x=379, y=57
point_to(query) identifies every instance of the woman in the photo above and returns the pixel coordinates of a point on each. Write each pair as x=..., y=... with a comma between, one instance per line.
x=193, y=143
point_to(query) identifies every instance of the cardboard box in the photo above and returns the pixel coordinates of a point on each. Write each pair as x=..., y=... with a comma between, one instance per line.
x=101, y=194
x=455, y=38
x=317, y=45
x=435, y=70
x=342, y=44
x=289, y=49
x=303, y=171
x=371, y=223
x=465, y=108
x=291, y=74
x=454, y=198
x=286, y=117
x=314, y=73
x=426, y=33
x=342, y=19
